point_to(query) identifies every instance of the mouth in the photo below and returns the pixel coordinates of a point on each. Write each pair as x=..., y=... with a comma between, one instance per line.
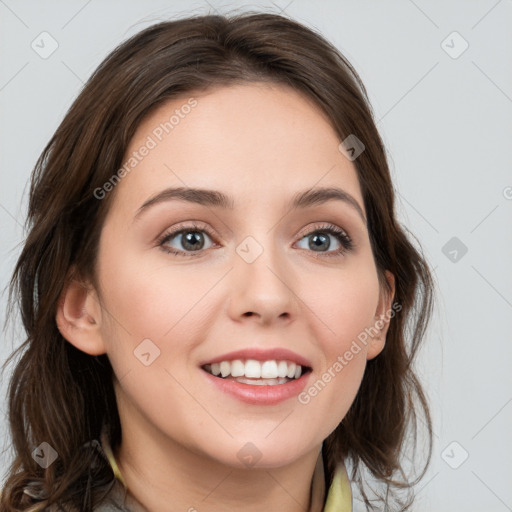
x=257, y=373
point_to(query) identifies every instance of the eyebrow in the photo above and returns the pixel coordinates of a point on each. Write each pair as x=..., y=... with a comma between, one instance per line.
x=214, y=198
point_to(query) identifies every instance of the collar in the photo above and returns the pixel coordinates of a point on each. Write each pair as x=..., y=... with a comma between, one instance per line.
x=339, y=495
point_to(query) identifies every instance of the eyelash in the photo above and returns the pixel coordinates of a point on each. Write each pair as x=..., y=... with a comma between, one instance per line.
x=345, y=241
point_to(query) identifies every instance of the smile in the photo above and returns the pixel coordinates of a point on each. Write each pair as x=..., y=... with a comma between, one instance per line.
x=258, y=376
x=257, y=373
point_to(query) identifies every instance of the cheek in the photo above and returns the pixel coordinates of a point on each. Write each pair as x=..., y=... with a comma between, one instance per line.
x=151, y=326
x=148, y=298
x=346, y=309
x=346, y=306
x=151, y=307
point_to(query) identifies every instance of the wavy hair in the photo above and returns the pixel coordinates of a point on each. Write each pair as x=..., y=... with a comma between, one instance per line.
x=63, y=396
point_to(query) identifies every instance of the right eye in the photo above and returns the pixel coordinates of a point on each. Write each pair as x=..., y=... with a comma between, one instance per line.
x=191, y=240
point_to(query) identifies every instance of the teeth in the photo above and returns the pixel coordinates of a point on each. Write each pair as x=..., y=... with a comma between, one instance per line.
x=225, y=368
x=237, y=368
x=282, y=369
x=262, y=382
x=269, y=370
x=252, y=369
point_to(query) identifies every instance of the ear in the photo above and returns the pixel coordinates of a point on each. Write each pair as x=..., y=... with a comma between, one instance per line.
x=78, y=317
x=383, y=315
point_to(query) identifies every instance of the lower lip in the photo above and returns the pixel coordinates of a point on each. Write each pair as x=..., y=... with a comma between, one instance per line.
x=260, y=395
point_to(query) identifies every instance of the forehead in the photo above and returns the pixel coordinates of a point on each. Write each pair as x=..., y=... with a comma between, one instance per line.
x=255, y=141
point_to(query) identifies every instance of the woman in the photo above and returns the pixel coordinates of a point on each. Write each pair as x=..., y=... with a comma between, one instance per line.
x=221, y=308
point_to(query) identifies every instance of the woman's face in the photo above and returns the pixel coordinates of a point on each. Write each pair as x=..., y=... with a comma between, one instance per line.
x=250, y=272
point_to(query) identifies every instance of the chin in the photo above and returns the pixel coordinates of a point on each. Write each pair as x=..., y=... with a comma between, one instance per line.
x=261, y=453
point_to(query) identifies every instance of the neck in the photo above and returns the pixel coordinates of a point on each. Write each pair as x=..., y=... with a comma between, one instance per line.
x=162, y=474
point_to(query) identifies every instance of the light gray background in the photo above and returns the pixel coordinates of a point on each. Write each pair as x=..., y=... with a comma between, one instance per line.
x=447, y=125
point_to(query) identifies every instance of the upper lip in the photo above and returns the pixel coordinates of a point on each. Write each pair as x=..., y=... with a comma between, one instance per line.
x=280, y=354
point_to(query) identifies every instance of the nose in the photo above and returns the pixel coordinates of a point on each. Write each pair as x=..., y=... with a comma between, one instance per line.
x=262, y=288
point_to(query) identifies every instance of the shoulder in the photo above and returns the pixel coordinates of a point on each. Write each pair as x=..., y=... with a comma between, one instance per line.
x=119, y=500
x=106, y=506
x=116, y=500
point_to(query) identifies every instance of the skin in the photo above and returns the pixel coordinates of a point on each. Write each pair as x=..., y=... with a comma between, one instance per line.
x=260, y=144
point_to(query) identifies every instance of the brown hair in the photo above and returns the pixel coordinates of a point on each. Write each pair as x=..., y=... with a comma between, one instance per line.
x=61, y=395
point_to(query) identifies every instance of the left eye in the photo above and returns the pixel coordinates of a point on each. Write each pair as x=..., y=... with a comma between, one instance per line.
x=319, y=239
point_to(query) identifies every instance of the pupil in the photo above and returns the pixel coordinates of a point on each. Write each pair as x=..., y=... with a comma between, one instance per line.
x=194, y=240
x=318, y=240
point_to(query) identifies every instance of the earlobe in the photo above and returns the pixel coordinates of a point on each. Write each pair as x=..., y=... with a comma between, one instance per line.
x=78, y=317
x=382, y=318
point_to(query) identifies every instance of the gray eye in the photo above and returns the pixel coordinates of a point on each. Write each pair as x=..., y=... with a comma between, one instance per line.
x=319, y=241
x=187, y=240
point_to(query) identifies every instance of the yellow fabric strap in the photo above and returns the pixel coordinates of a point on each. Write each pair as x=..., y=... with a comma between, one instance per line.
x=110, y=455
x=339, y=497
